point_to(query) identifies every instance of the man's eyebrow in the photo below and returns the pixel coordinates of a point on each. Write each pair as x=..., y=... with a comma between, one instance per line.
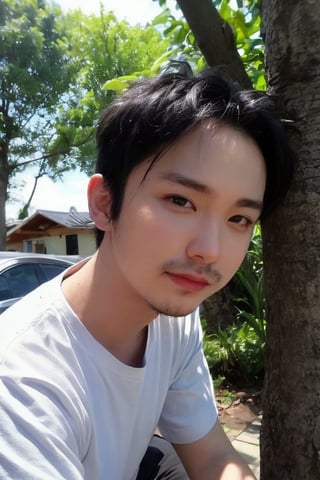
x=203, y=188
x=250, y=203
x=187, y=182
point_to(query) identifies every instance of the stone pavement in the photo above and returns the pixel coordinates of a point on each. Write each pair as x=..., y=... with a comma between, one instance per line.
x=247, y=444
x=241, y=420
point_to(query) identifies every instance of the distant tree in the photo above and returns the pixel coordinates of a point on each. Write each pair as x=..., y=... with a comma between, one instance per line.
x=35, y=72
x=53, y=67
x=104, y=48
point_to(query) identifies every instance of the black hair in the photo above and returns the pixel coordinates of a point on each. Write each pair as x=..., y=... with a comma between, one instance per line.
x=154, y=112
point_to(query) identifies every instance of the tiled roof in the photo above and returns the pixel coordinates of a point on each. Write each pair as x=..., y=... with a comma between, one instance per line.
x=40, y=218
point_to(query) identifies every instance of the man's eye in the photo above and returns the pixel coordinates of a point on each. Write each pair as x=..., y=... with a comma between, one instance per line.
x=241, y=220
x=181, y=201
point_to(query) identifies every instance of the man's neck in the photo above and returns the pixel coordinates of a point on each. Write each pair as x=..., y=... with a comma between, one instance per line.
x=112, y=314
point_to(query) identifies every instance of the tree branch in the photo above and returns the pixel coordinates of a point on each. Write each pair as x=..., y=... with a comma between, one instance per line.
x=46, y=156
x=215, y=39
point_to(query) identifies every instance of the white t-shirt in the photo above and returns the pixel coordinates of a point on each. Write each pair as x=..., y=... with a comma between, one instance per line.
x=69, y=410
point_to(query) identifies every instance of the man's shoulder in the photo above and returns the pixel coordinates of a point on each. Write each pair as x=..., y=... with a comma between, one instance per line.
x=27, y=325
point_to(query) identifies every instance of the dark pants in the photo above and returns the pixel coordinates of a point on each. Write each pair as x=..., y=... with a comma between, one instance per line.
x=161, y=462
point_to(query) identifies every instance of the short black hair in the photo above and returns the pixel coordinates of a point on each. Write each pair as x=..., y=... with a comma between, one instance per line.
x=154, y=112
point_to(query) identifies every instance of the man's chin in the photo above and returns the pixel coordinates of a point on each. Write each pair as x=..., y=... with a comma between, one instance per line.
x=173, y=311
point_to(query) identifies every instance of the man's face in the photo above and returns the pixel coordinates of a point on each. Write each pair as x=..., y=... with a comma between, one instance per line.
x=184, y=230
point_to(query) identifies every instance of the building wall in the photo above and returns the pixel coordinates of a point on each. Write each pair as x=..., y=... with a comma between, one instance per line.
x=56, y=244
x=87, y=243
x=15, y=247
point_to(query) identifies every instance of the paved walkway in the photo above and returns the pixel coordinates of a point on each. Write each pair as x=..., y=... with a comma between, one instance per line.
x=247, y=444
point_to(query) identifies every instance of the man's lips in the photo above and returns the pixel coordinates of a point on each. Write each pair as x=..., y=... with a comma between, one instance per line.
x=188, y=282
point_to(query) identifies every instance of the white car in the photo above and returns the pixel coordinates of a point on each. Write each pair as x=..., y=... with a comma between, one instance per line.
x=22, y=272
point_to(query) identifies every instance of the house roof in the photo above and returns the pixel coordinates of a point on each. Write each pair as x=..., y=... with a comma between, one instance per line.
x=42, y=220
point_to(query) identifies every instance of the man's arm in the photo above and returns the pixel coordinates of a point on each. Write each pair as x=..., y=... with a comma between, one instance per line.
x=213, y=458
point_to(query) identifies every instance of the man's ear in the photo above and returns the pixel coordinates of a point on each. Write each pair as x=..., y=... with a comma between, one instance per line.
x=99, y=202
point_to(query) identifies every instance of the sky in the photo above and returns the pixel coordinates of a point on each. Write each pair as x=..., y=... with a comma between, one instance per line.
x=61, y=195
x=135, y=11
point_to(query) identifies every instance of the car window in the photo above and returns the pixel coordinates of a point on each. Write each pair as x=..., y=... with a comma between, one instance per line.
x=51, y=270
x=4, y=289
x=20, y=280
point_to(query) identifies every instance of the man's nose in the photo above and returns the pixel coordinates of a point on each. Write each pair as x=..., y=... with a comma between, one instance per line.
x=206, y=244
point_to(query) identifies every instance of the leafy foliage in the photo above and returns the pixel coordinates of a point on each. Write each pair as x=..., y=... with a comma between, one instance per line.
x=244, y=19
x=52, y=69
x=237, y=351
x=245, y=23
x=183, y=45
x=35, y=70
x=104, y=49
x=250, y=302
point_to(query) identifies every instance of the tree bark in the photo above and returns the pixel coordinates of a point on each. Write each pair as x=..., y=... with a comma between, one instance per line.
x=290, y=435
x=4, y=180
x=218, y=310
x=3, y=199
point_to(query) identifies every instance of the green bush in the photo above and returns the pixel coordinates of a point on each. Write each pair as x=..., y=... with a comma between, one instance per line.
x=236, y=353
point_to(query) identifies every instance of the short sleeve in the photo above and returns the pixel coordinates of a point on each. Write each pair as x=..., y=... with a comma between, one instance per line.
x=190, y=410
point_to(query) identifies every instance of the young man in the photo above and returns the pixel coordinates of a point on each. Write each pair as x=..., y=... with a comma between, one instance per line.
x=98, y=359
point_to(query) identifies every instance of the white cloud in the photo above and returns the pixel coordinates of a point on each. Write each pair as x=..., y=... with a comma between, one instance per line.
x=49, y=195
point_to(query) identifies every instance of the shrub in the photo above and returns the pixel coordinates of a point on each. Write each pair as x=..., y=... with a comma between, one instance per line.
x=236, y=352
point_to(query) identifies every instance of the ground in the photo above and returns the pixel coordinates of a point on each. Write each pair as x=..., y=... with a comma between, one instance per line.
x=237, y=409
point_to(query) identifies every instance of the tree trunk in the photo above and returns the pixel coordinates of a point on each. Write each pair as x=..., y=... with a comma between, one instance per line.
x=3, y=198
x=290, y=435
x=214, y=38
x=218, y=310
x=4, y=176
